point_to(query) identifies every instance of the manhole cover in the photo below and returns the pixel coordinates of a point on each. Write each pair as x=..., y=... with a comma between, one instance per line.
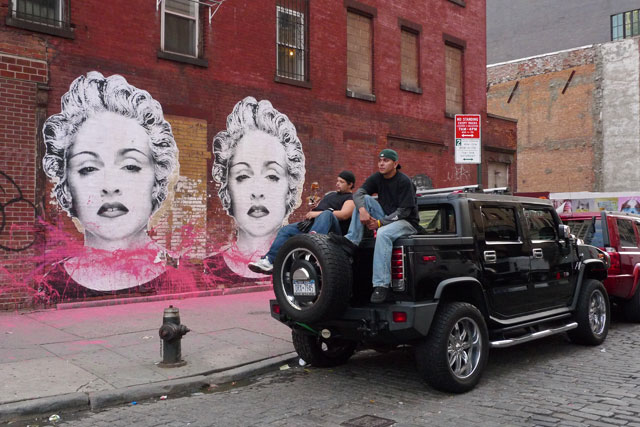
x=368, y=421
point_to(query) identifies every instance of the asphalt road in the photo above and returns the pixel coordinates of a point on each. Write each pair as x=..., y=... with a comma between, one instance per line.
x=549, y=382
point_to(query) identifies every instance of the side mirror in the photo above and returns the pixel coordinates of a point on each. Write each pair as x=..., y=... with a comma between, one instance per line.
x=564, y=232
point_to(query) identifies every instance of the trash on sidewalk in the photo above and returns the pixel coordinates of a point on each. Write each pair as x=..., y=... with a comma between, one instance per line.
x=55, y=417
x=603, y=350
x=302, y=362
x=134, y=403
x=146, y=337
x=285, y=367
x=163, y=397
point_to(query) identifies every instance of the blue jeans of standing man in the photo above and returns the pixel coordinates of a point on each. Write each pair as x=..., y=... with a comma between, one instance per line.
x=385, y=237
x=322, y=224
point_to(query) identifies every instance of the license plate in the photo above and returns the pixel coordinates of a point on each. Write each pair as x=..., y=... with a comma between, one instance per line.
x=304, y=287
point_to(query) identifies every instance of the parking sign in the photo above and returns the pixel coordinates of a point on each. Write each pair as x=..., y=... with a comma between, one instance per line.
x=467, y=139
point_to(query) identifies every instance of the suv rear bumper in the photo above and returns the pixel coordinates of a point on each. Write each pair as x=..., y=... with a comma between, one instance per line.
x=390, y=323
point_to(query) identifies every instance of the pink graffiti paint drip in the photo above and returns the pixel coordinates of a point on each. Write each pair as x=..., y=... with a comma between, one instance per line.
x=62, y=256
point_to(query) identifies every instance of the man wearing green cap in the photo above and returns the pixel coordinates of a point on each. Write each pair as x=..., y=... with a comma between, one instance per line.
x=393, y=215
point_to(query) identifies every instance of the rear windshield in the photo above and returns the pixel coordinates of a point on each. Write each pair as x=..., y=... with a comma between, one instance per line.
x=438, y=219
x=589, y=230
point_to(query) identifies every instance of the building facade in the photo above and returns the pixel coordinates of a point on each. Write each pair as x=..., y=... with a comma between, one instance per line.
x=522, y=28
x=343, y=79
x=577, y=113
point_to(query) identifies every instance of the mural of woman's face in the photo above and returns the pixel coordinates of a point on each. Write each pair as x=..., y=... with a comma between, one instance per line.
x=258, y=183
x=110, y=173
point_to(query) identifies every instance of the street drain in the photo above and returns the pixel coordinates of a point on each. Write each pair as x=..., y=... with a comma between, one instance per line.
x=368, y=421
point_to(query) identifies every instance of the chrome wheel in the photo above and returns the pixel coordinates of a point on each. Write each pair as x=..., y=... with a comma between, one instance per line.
x=597, y=312
x=301, y=275
x=464, y=347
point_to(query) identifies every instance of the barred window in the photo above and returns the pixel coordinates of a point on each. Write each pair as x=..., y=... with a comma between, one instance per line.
x=291, y=39
x=180, y=27
x=46, y=12
x=624, y=25
x=43, y=16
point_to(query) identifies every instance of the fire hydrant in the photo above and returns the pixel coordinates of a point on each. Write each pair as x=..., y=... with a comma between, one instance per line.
x=171, y=333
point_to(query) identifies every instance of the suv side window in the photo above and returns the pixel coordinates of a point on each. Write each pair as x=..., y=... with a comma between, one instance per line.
x=438, y=219
x=627, y=235
x=500, y=224
x=541, y=224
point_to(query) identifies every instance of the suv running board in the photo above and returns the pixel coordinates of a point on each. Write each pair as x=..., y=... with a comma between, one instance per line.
x=534, y=336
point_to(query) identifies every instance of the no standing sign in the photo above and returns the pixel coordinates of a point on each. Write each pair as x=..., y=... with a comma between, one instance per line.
x=467, y=139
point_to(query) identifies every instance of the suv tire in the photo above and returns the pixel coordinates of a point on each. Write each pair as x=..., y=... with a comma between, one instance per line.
x=314, y=262
x=455, y=352
x=631, y=308
x=593, y=314
x=322, y=353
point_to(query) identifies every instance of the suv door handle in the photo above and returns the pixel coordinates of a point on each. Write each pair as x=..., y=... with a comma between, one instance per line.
x=537, y=253
x=490, y=257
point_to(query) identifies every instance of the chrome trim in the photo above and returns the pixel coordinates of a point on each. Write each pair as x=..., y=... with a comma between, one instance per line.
x=533, y=336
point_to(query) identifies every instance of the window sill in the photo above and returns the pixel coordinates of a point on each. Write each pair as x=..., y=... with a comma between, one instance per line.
x=451, y=115
x=185, y=59
x=64, y=32
x=362, y=96
x=459, y=2
x=292, y=82
x=411, y=89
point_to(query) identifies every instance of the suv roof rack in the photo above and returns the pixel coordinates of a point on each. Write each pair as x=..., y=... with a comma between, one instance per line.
x=498, y=190
x=462, y=189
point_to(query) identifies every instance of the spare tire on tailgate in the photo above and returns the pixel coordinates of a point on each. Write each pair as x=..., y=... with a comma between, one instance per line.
x=312, y=278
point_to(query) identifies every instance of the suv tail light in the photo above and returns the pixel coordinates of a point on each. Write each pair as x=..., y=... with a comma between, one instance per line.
x=614, y=256
x=397, y=269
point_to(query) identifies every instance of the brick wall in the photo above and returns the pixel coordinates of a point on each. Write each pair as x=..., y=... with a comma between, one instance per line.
x=19, y=77
x=181, y=223
x=556, y=130
x=336, y=131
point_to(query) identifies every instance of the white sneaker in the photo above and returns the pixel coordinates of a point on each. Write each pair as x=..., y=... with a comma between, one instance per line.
x=261, y=266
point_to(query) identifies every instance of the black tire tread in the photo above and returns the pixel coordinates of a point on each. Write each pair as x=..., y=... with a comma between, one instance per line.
x=583, y=333
x=631, y=307
x=336, y=281
x=432, y=365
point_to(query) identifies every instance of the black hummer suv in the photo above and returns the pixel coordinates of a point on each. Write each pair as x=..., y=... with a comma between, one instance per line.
x=486, y=271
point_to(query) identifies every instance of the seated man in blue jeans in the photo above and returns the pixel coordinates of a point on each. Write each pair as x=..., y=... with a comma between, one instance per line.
x=333, y=213
x=393, y=215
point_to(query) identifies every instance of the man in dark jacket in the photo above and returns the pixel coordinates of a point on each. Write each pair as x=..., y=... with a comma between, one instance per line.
x=332, y=214
x=393, y=215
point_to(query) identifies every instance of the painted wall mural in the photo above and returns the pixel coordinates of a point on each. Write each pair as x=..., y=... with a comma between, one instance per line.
x=111, y=156
x=112, y=161
x=259, y=167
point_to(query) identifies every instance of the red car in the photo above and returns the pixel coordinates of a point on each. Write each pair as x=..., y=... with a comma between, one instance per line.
x=617, y=233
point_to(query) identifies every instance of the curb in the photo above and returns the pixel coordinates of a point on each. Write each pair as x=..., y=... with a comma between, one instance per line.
x=15, y=410
x=103, y=399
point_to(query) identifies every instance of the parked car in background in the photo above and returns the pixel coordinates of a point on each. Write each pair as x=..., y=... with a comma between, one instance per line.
x=618, y=233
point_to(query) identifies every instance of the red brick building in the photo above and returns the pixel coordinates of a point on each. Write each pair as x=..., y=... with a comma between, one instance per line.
x=353, y=76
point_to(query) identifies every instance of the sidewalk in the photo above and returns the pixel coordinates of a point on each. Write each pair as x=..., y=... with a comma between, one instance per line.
x=100, y=356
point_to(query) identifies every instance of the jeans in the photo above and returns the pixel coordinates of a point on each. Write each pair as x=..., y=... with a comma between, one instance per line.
x=385, y=237
x=322, y=224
